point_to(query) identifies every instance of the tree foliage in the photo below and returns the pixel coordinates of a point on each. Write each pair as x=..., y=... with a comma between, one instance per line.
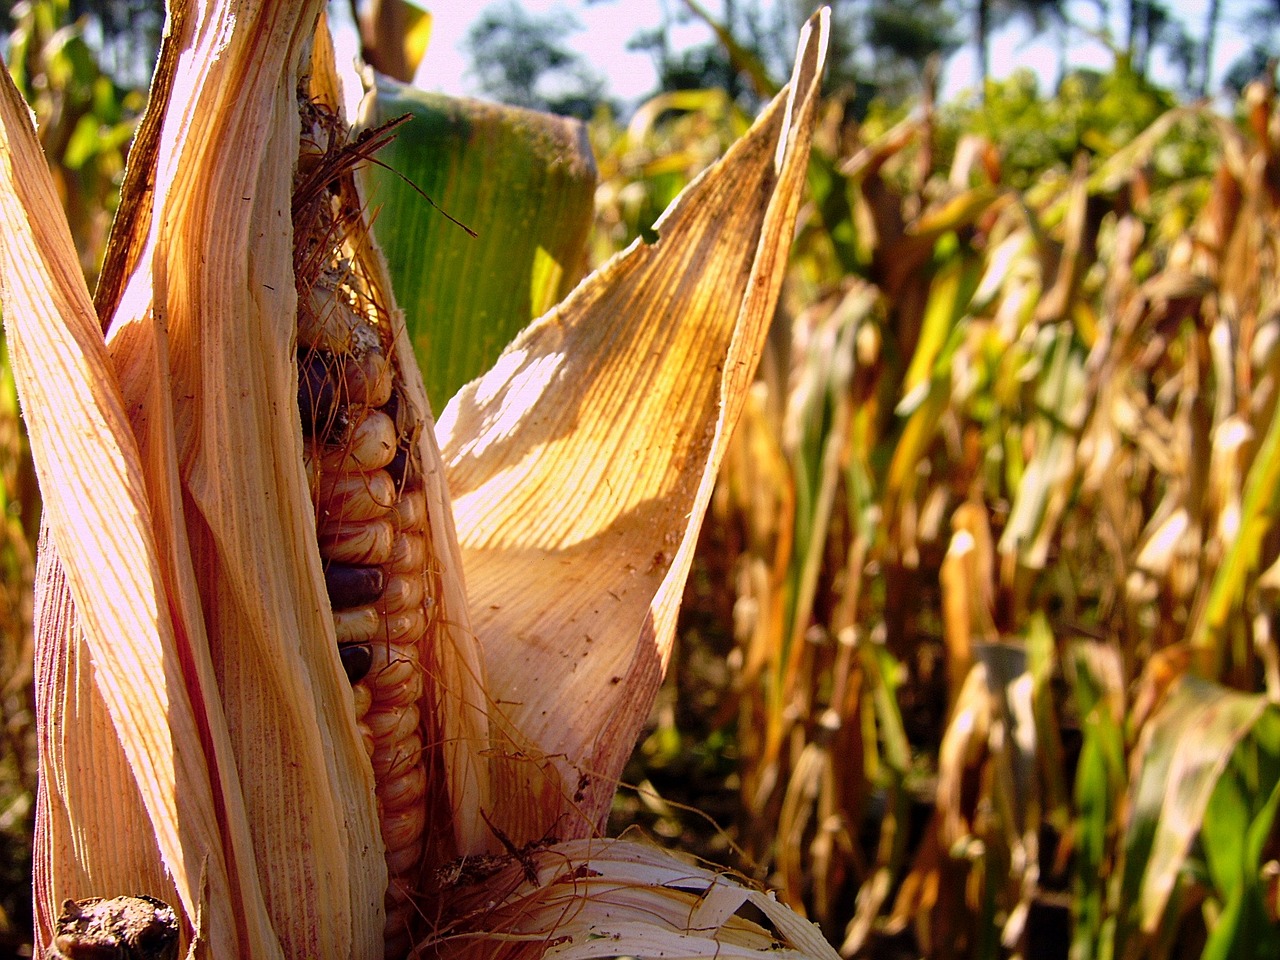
x=521, y=59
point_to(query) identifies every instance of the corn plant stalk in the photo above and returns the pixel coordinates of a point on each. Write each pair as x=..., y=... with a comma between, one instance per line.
x=198, y=732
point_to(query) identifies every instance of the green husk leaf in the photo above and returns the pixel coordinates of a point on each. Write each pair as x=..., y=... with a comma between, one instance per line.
x=523, y=184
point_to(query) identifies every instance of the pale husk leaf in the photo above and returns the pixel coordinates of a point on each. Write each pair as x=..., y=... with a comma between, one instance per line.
x=581, y=467
x=98, y=517
x=607, y=898
x=230, y=604
x=219, y=264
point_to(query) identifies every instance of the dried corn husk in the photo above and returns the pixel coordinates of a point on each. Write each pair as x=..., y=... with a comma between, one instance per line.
x=197, y=730
x=581, y=466
x=608, y=898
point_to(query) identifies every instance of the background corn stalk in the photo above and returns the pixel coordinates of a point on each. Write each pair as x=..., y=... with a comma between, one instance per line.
x=999, y=517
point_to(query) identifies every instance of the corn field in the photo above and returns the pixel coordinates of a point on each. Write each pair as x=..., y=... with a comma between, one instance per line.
x=978, y=657
x=977, y=652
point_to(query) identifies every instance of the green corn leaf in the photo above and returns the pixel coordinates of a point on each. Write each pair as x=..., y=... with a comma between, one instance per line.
x=522, y=182
x=1100, y=775
x=949, y=296
x=1191, y=748
x=1237, y=824
x=1045, y=484
x=1261, y=507
x=957, y=213
x=1041, y=657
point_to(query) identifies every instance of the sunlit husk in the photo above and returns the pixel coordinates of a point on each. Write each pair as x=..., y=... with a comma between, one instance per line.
x=264, y=816
x=582, y=464
x=198, y=732
x=607, y=898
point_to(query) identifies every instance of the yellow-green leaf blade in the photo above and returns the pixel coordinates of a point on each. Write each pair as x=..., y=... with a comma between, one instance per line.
x=522, y=182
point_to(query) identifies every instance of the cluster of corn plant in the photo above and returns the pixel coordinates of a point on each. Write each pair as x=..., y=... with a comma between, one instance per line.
x=999, y=517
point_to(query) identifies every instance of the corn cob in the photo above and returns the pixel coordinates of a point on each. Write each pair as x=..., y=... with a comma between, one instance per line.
x=361, y=441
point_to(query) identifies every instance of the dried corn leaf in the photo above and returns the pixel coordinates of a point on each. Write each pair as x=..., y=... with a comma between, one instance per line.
x=1098, y=689
x=1254, y=517
x=1180, y=758
x=609, y=898
x=97, y=514
x=582, y=465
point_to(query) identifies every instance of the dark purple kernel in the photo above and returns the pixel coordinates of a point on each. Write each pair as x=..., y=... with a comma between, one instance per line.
x=323, y=415
x=357, y=658
x=392, y=408
x=352, y=585
x=398, y=466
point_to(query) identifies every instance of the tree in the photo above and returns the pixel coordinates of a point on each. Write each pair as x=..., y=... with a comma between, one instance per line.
x=1255, y=63
x=903, y=36
x=991, y=14
x=693, y=69
x=125, y=34
x=878, y=48
x=521, y=59
x=1212, y=16
x=1152, y=26
x=1148, y=20
x=714, y=64
x=1259, y=60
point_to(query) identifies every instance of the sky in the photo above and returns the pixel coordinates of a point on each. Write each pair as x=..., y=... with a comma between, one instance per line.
x=608, y=26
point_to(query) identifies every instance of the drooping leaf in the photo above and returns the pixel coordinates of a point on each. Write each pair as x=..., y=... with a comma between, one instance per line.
x=1237, y=825
x=1182, y=755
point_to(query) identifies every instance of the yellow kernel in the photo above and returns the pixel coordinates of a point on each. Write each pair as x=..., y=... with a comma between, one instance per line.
x=411, y=510
x=406, y=627
x=405, y=790
x=370, y=542
x=396, y=688
x=357, y=625
x=406, y=753
x=392, y=725
x=363, y=698
x=408, y=555
x=370, y=446
x=402, y=829
x=354, y=496
x=368, y=379
x=400, y=862
x=403, y=591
